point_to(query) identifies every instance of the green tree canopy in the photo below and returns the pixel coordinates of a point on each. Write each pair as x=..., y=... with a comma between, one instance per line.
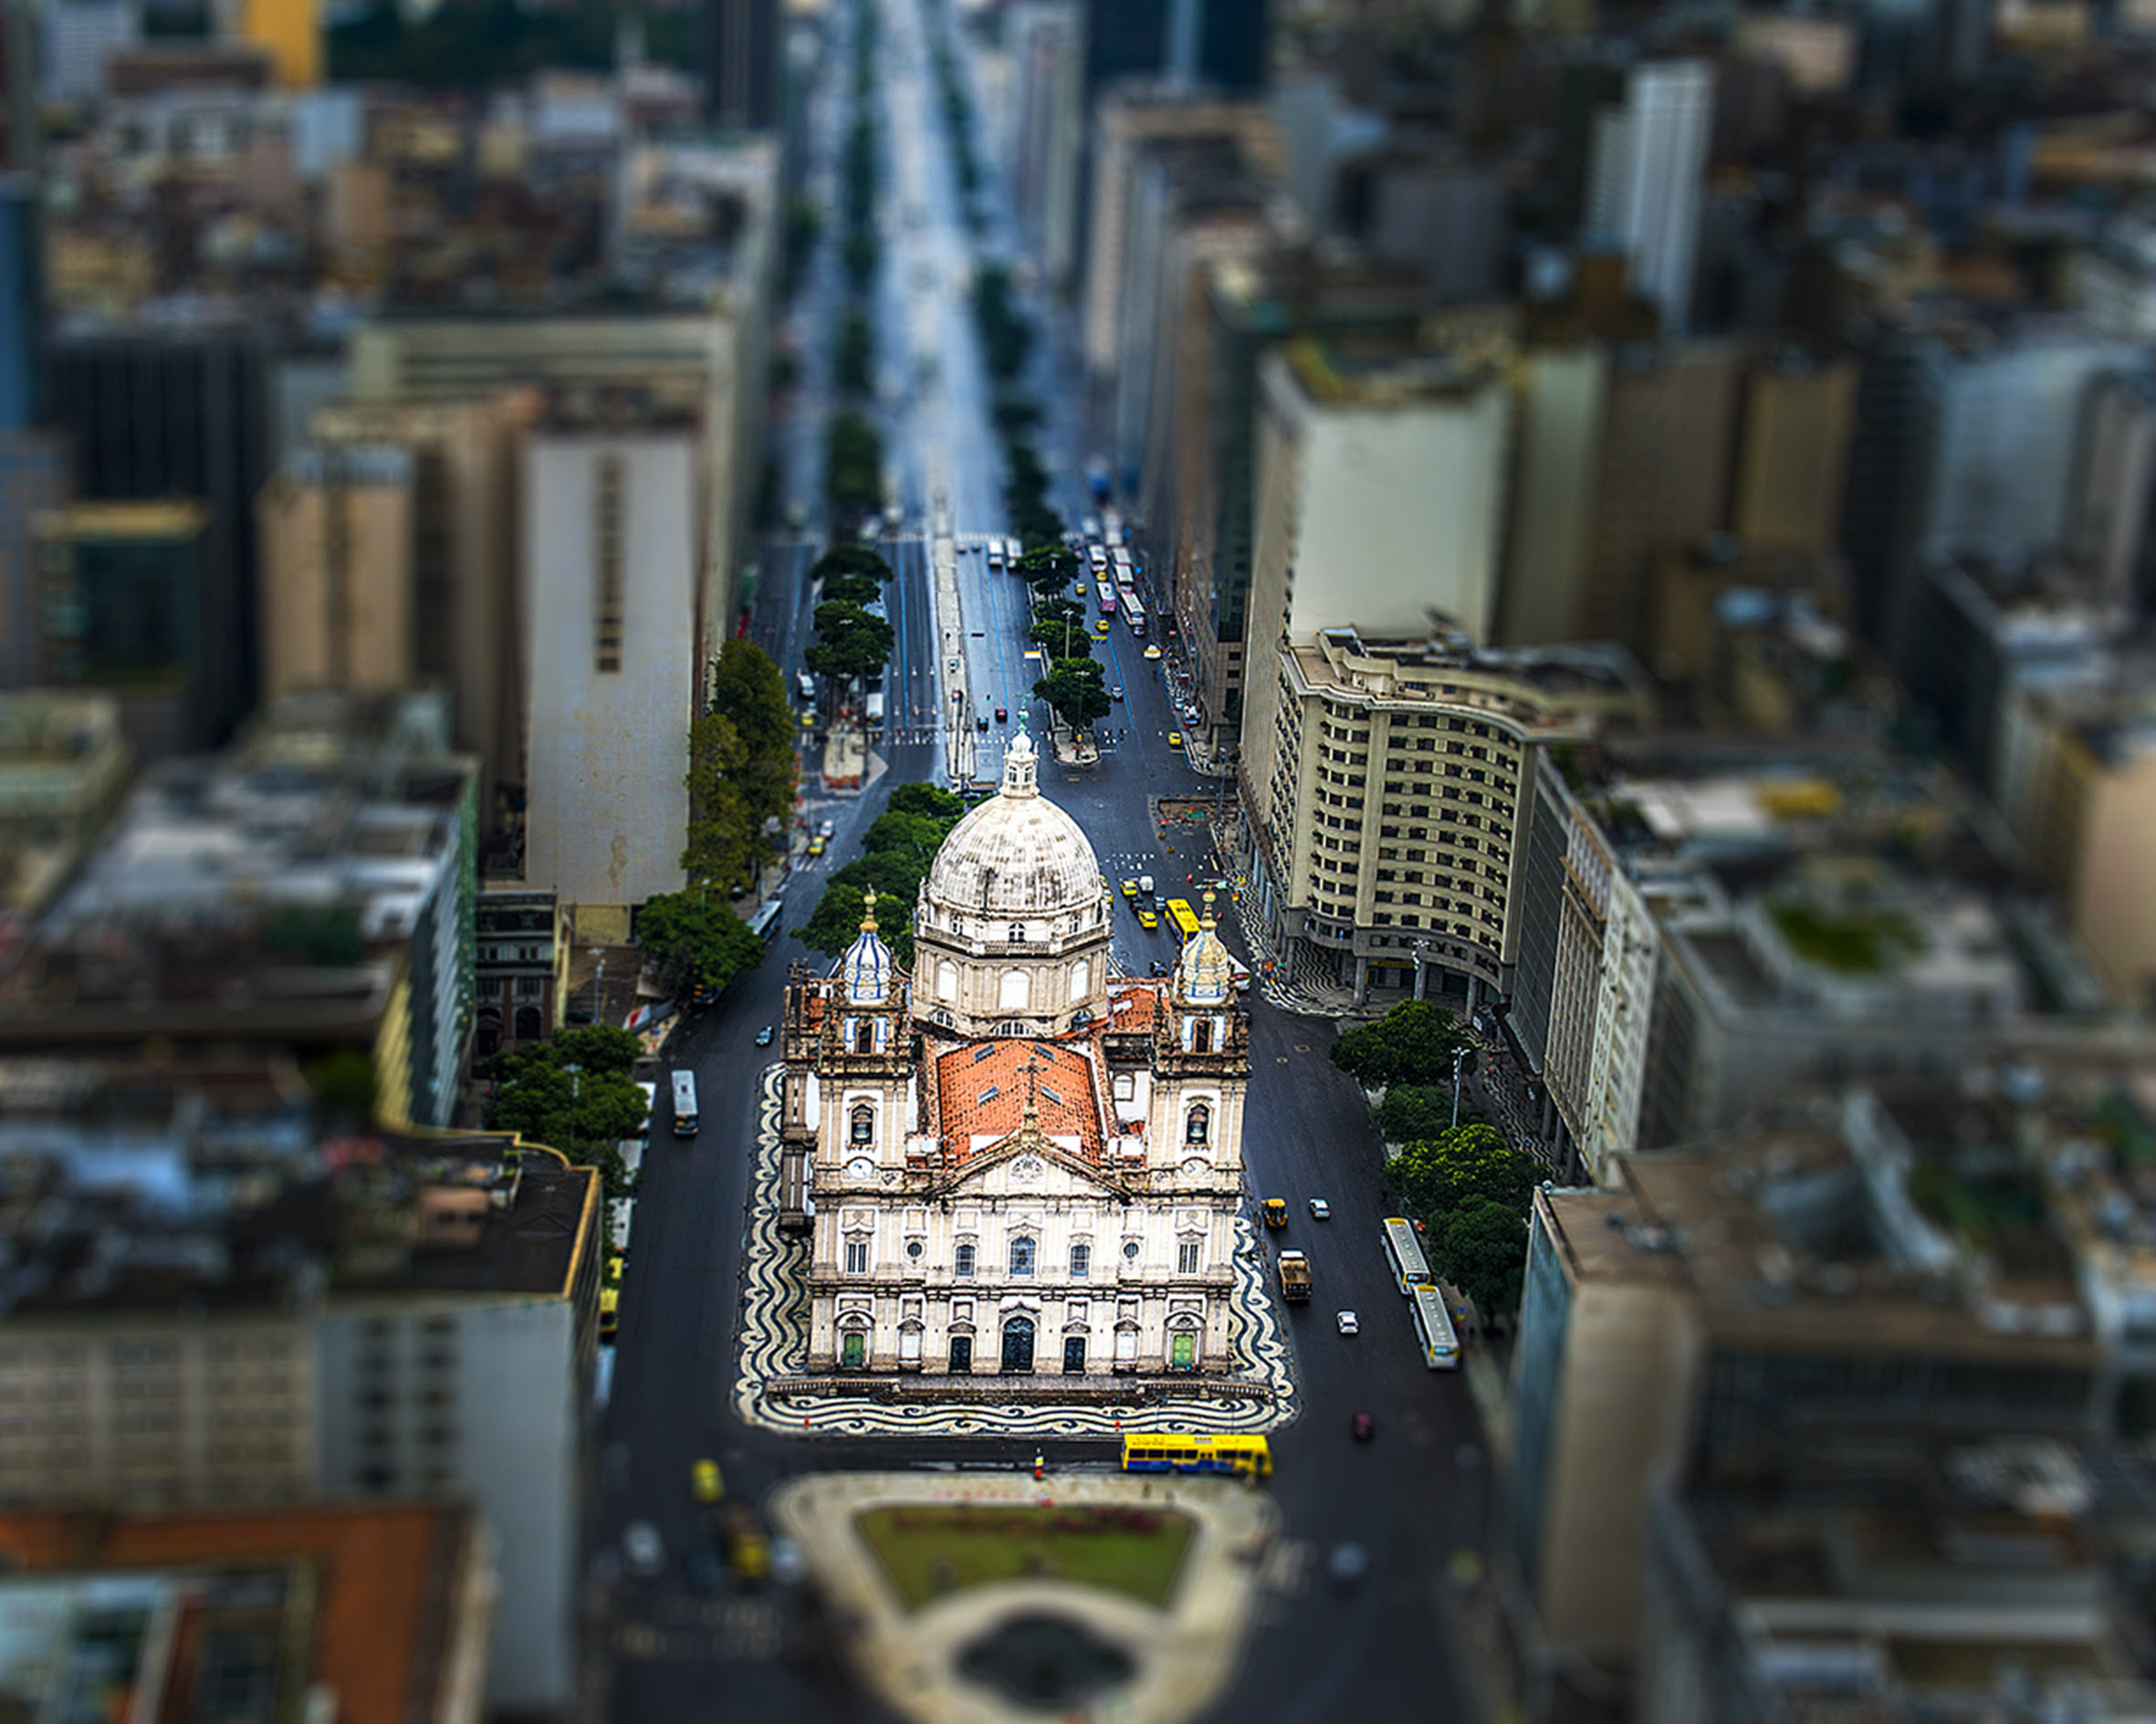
x=1064, y=637
x=583, y=1113
x=854, y=465
x=749, y=692
x=1050, y=568
x=914, y=835
x=1074, y=688
x=694, y=939
x=725, y=841
x=1481, y=1249
x=1411, y=1112
x=1412, y=1043
x=848, y=587
x=932, y=799
x=851, y=641
x=1437, y=1175
x=851, y=559
x=856, y=355
x=836, y=921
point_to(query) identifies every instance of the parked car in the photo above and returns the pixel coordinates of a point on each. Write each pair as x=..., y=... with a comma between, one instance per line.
x=1174, y=739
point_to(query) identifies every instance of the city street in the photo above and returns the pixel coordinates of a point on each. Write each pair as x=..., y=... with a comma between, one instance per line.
x=677, y=1655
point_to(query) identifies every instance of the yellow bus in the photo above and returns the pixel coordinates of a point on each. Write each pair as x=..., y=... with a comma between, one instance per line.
x=1174, y=1452
x=1180, y=913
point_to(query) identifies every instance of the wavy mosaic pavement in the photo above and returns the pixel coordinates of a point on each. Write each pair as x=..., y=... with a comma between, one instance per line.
x=772, y=1342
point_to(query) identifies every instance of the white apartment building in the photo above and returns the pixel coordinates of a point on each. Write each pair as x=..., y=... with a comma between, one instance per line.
x=1380, y=496
x=611, y=553
x=1646, y=176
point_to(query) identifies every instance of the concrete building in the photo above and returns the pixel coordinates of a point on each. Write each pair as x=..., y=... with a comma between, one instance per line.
x=1128, y=124
x=382, y=1318
x=1430, y=211
x=522, y=976
x=741, y=54
x=2109, y=535
x=121, y=609
x=1792, y=452
x=337, y=540
x=315, y=884
x=1723, y=1313
x=78, y=36
x=453, y=576
x=1380, y=490
x=63, y=768
x=1384, y=785
x=386, y=1605
x=1044, y=145
x=33, y=480
x=1018, y=1164
x=1645, y=173
x=610, y=541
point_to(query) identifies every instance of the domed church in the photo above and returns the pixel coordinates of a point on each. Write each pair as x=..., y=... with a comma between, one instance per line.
x=1013, y=1161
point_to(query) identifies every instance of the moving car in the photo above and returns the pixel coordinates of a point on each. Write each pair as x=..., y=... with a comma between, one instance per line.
x=827, y=830
x=1153, y=649
x=1320, y=1210
x=705, y=1484
x=1348, y=1564
x=642, y=1549
x=1002, y=715
x=1115, y=691
x=763, y=1037
x=1146, y=919
x=1346, y=1322
x=1363, y=1427
x=1130, y=888
x=1276, y=1212
x=1174, y=739
x=1101, y=627
x=818, y=844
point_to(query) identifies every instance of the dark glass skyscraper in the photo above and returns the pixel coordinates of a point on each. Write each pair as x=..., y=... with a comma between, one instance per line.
x=1224, y=46
x=740, y=57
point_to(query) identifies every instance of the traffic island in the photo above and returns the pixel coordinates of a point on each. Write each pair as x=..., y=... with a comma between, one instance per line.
x=1100, y=1595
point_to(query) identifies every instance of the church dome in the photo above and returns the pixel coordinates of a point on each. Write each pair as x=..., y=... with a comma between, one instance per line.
x=1017, y=857
x=866, y=966
x=1205, y=974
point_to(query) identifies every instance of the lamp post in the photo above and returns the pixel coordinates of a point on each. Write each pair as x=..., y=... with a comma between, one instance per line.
x=1458, y=1058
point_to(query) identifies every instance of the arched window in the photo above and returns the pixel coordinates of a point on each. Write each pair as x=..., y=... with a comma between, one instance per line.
x=865, y=1123
x=1201, y=1036
x=1018, y=934
x=962, y=1262
x=1081, y=979
x=864, y=1035
x=946, y=980
x=1080, y=1261
x=1021, y=1256
x=1198, y=1124
x=1015, y=990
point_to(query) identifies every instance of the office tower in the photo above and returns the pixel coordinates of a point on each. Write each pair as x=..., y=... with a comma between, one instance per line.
x=184, y=414
x=1045, y=140
x=740, y=54
x=1646, y=174
x=2109, y=536
x=21, y=146
x=119, y=587
x=609, y=591
x=1384, y=786
x=22, y=303
x=290, y=33
x=78, y=34
x=1380, y=491
x=1792, y=452
x=337, y=586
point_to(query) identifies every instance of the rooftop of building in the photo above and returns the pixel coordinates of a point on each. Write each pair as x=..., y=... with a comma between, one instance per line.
x=213, y=1182
x=361, y=1600
x=153, y=519
x=1344, y=370
x=985, y=1090
x=1538, y=685
x=1803, y=1234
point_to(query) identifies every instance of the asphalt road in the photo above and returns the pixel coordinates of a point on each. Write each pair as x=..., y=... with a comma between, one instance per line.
x=1321, y=1654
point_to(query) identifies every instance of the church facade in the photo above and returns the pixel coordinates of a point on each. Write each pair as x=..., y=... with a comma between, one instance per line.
x=1010, y=1161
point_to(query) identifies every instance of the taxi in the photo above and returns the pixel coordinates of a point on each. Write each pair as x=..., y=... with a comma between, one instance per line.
x=1146, y=919
x=1153, y=649
x=705, y=1484
x=1174, y=739
x=1130, y=888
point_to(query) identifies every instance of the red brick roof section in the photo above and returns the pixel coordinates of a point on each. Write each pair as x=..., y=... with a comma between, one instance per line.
x=1063, y=1084
x=1131, y=1007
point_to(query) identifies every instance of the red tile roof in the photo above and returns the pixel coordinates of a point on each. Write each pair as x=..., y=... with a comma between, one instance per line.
x=1132, y=1007
x=980, y=1089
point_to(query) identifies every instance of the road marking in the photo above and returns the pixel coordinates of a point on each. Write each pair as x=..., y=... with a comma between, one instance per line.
x=1287, y=1567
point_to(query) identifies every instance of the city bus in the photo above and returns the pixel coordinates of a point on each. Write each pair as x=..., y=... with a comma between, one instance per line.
x=1133, y=613
x=1433, y=1329
x=1180, y=913
x=1107, y=597
x=995, y=553
x=1403, y=1250
x=684, y=1104
x=764, y=924
x=1175, y=1452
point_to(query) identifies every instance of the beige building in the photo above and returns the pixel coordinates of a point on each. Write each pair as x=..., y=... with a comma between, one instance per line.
x=1385, y=791
x=376, y=605
x=1016, y=1163
x=1792, y=453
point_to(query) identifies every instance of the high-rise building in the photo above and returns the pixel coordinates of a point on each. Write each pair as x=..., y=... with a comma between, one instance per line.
x=22, y=303
x=1792, y=452
x=180, y=413
x=336, y=588
x=1045, y=142
x=740, y=53
x=1384, y=784
x=78, y=34
x=1646, y=176
x=1380, y=490
x=2110, y=535
x=614, y=678
x=120, y=590
x=33, y=480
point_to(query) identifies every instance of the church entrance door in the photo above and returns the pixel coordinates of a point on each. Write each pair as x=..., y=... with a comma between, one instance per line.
x=1017, y=1346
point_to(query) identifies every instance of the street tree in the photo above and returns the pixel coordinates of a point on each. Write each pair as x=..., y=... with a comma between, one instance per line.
x=933, y=799
x=851, y=643
x=835, y=923
x=749, y=692
x=1481, y=1249
x=856, y=354
x=582, y=1113
x=849, y=587
x=1437, y=1175
x=1074, y=688
x=1050, y=569
x=724, y=837
x=854, y=465
x=1066, y=637
x=696, y=939
x=1412, y=1043
x=1412, y=1111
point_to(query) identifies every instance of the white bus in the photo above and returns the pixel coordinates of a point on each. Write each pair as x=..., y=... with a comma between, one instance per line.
x=684, y=1104
x=995, y=552
x=1107, y=594
x=764, y=924
x=1133, y=613
x=1403, y=1250
x=1433, y=1328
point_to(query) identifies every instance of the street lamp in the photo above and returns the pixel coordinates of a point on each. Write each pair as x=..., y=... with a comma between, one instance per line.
x=1458, y=1058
